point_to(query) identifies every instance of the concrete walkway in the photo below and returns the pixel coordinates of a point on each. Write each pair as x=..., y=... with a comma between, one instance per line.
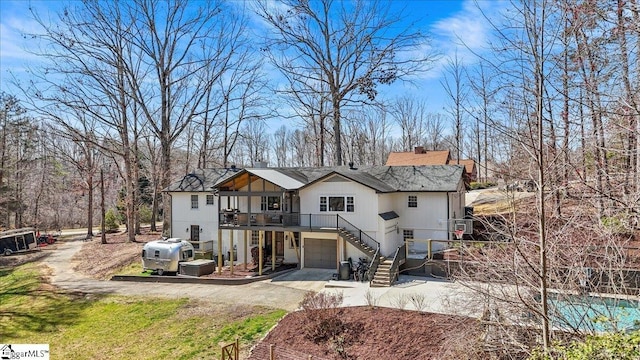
x=283, y=292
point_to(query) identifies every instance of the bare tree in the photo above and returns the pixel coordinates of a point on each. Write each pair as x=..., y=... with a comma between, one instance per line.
x=410, y=115
x=193, y=44
x=280, y=145
x=454, y=87
x=482, y=89
x=350, y=47
x=255, y=142
x=17, y=154
x=83, y=76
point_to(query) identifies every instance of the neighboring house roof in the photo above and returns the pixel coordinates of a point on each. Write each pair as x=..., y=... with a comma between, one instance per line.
x=201, y=180
x=429, y=157
x=386, y=216
x=434, y=157
x=469, y=164
x=382, y=179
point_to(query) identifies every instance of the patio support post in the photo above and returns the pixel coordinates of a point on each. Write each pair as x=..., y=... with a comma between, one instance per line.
x=231, y=251
x=260, y=244
x=219, y=251
x=429, y=249
x=245, y=249
x=292, y=238
x=338, y=251
x=273, y=250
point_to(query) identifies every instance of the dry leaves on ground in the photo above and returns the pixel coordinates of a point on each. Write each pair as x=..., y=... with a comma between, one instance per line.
x=101, y=261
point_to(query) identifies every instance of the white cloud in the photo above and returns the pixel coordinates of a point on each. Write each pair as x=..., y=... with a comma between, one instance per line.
x=464, y=34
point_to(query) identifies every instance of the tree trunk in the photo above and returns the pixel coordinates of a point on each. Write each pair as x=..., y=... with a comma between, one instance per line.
x=90, y=201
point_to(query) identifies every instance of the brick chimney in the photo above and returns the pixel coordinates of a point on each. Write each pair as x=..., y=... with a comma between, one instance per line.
x=419, y=150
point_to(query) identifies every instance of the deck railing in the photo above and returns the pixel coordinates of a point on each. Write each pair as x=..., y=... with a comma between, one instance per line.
x=399, y=258
x=373, y=266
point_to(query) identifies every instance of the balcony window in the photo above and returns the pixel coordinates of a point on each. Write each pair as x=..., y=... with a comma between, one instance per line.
x=270, y=203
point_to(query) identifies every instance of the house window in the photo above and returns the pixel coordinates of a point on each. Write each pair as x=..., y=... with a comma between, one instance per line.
x=407, y=235
x=413, y=201
x=194, y=201
x=209, y=199
x=270, y=203
x=350, y=206
x=337, y=203
x=255, y=238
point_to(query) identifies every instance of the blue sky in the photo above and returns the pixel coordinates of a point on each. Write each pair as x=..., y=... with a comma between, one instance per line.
x=447, y=21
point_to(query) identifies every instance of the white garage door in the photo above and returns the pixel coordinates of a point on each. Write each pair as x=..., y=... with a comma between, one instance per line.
x=320, y=253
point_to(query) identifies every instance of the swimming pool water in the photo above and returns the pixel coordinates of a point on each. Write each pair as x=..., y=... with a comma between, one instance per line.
x=594, y=313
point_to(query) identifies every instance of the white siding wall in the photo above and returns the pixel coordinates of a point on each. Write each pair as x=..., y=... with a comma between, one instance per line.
x=365, y=215
x=390, y=239
x=183, y=216
x=205, y=216
x=428, y=220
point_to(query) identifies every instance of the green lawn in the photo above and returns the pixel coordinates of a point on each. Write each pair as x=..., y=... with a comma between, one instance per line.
x=116, y=327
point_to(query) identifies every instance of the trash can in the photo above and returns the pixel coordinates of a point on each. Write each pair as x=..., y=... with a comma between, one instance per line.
x=344, y=272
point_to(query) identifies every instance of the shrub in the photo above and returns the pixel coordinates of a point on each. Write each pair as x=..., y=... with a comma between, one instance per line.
x=481, y=185
x=111, y=222
x=322, y=316
x=617, y=345
x=145, y=214
x=371, y=298
x=615, y=224
x=418, y=300
x=400, y=301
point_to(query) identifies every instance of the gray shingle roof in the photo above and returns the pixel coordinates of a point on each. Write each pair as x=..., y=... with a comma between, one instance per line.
x=201, y=180
x=389, y=215
x=383, y=179
x=432, y=178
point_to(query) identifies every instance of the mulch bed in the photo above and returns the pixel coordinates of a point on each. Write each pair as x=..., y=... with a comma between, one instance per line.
x=376, y=333
x=240, y=272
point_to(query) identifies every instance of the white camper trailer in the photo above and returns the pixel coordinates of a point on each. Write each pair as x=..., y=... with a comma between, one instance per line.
x=166, y=255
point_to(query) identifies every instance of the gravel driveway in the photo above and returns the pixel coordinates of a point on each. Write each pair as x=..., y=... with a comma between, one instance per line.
x=277, y=293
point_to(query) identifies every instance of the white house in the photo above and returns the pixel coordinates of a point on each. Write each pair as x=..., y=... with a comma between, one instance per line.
x=318, y=217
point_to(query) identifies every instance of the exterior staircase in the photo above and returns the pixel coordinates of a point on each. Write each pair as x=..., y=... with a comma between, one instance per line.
x=383, y=272
x=358, y=243
x=383, y=276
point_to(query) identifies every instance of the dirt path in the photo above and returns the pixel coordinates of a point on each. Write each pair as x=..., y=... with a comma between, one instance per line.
x=264, y=293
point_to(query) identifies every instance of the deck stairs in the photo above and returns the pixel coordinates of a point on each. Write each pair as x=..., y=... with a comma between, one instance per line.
x=355, y=241
x=383, y=276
